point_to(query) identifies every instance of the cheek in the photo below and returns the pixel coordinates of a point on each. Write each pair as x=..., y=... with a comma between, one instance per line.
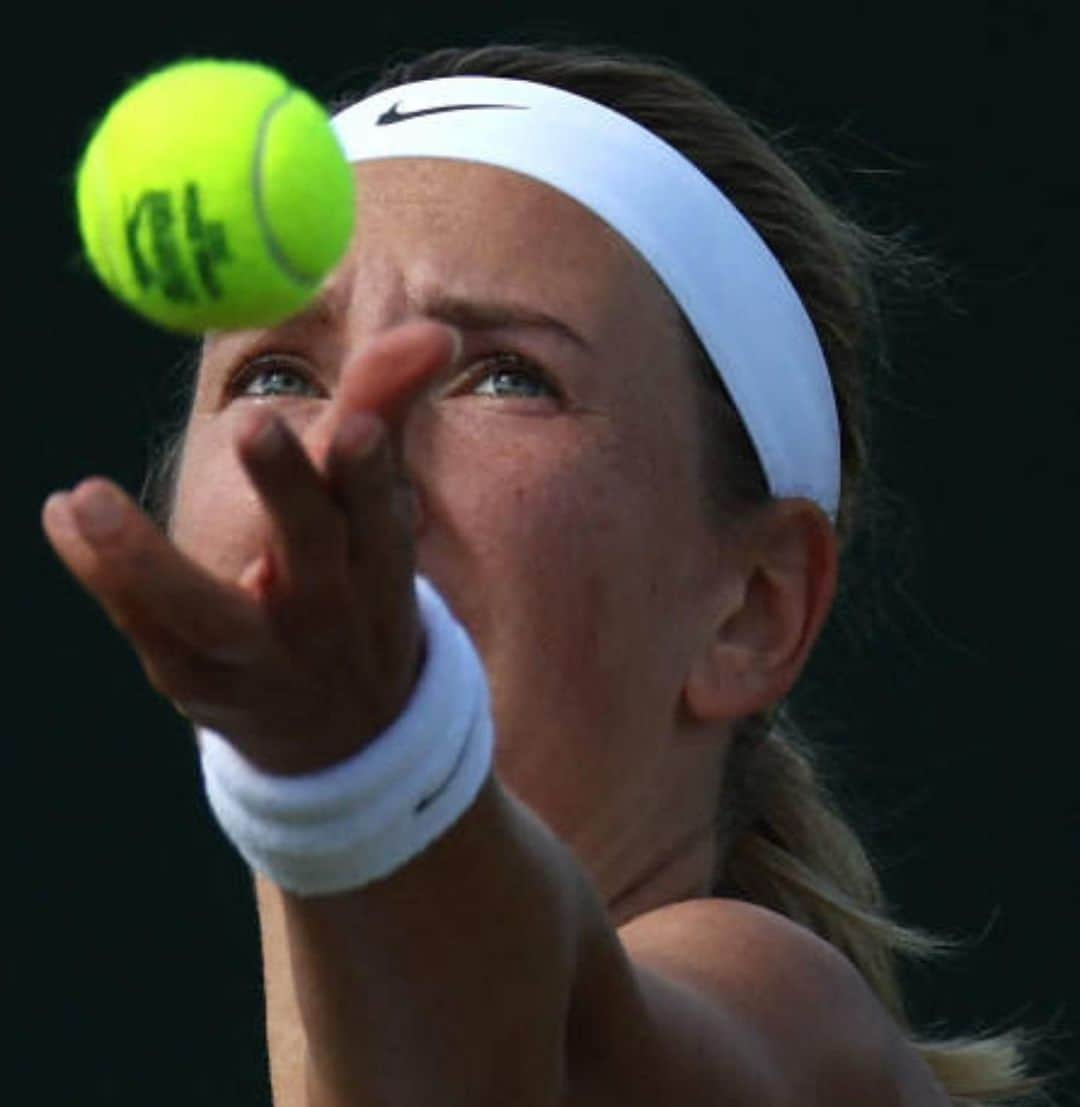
x=503, y=496
x=545, y=539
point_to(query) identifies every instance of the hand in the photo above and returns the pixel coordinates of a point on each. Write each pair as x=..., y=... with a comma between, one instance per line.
x=315, y=648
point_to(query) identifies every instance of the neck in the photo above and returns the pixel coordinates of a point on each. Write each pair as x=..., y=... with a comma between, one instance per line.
x=683, y=872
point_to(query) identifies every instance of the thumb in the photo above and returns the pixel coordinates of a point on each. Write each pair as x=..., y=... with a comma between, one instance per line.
x=393, y=370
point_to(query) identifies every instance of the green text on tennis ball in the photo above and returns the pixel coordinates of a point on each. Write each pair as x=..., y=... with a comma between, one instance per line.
x=214, y=195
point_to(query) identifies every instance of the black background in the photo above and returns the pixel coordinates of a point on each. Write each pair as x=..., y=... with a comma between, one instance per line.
x=945, y=690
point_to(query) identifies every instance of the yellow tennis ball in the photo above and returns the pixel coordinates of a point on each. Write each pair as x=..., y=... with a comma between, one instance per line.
x=214, y=195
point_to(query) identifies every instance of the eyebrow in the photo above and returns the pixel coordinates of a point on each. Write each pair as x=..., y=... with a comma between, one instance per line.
x=464, y=312
x=480, y=315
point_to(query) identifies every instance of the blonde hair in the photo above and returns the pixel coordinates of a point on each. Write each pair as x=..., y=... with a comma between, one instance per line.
x=784, y=846
x=782, y=843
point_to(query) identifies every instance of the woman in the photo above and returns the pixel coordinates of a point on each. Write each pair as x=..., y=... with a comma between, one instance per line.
x=617, y=434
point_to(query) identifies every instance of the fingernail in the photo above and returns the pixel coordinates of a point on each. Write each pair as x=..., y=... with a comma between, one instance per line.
x=55, y=513
x=100, y=513
x=269, y=438
x=359, y=433
x=53, y=501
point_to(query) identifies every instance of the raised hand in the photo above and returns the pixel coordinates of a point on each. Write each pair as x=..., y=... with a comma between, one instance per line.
x=314, y=648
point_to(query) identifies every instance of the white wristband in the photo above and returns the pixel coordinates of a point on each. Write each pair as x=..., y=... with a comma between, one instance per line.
x=357, y=821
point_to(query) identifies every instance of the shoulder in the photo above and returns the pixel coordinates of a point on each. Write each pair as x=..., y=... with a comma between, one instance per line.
x=745, y=954
x=739, y=997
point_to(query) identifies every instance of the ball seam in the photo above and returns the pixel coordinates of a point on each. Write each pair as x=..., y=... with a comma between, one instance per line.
x=277, y=253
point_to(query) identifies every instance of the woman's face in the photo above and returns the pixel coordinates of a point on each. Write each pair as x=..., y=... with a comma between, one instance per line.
x=557, y=476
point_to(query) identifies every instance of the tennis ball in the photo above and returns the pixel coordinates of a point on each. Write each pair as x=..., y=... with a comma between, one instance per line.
x=214, y=195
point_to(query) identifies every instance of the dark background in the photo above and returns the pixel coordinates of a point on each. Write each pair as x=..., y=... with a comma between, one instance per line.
x=944, y=691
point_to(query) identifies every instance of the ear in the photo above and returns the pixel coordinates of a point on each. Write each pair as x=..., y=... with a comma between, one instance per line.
x=771, y=613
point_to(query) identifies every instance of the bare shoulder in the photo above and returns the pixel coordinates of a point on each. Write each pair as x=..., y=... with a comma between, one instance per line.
x=739, y=998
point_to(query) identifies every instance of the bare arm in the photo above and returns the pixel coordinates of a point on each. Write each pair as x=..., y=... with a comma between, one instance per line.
x=487, y=972
x=448, y=982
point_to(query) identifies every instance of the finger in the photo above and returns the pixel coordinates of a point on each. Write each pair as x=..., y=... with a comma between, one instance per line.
x=393, y=370
x=148, y=588
x=200, y=686
x=307, y=539
x=302, y=581
x=362, y=475
x=363, y=479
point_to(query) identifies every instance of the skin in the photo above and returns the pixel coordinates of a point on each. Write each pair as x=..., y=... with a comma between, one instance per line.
x=559, y=507
x=529, y=510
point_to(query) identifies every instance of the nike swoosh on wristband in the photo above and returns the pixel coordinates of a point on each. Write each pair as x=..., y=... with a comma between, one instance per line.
x=392, y=115
x=427, y=800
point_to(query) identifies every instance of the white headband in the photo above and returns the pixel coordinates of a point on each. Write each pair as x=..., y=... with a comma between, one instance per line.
x=733, y=291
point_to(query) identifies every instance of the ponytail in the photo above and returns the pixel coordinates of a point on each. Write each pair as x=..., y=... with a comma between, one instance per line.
x=785, y=847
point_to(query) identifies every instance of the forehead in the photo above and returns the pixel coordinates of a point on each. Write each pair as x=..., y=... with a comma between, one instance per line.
x=481, y=246
x=475, y=230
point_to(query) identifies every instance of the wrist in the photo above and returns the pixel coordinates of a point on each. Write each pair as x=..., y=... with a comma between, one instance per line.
x=360, y=819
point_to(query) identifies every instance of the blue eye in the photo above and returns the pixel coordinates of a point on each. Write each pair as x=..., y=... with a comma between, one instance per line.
x=511, y=376
x=275, y=376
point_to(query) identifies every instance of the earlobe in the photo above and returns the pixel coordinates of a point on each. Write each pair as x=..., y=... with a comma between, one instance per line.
x=765, y=627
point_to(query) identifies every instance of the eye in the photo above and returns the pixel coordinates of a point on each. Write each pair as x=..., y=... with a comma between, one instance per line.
x=510, y=376
x=275, y=375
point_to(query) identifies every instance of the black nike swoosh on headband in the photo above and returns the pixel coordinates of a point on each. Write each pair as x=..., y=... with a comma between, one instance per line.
x=392, y=115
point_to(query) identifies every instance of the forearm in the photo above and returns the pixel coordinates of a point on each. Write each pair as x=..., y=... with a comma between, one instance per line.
x=447, y=982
